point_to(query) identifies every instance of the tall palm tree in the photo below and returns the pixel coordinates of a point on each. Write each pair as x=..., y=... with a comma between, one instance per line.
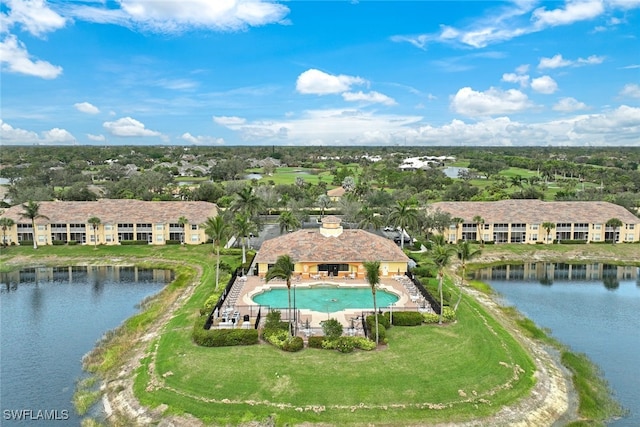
x=404, y=216
x=32, y=211
x=373, y=278
x=441, y=256
x=479, y=221
x=288, y=221
x=247, y=202
x=548, y=226
x=183, y=221
x=218, y=229
x=95, y=222
x=614, y=223
x=323, y=202
x=457, y=221
x=465, y=253
x=242, y=227
x=283, y=269
x=369, y=219
x=5, y=223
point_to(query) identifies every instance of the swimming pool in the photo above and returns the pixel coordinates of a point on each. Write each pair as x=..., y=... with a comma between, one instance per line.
x=326, y=298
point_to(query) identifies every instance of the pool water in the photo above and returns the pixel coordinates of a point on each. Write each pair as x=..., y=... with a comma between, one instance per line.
x=326, y=298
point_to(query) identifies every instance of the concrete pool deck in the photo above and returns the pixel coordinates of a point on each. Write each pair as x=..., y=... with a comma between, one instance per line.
x=247, y=286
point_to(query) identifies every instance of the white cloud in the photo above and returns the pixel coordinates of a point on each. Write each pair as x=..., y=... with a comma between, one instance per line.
x=97, y=138
x=85, y=107
x=521, y=79
x=229, y=121
x=15, y=136
x=492, y=102
x=370, y=97
x=631, y=90
x=568, y=105
x=178, y=16
x=34, y=16
x=128, y=127
x=15, y=58
x=573, y=11
x=544, y=84
x=316, y=82
x=557, y=61
x=201, y=140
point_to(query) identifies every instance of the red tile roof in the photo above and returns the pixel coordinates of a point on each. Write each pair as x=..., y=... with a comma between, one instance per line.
x=537, y=211
x=350, y=246
x=119, y=211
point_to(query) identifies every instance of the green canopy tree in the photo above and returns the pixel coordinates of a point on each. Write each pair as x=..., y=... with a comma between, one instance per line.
x=323, y=202
x=283, y=269
x=373, y=278
x=218, y=230
x=5, y=223
x=94, y=221
x=288, y=221
x=31, y=210
x=441, y=256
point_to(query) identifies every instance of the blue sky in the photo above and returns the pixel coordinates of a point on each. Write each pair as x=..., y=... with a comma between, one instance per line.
x=252, y=72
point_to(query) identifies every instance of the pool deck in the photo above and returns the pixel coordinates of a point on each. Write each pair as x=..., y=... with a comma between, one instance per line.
x=245, y=287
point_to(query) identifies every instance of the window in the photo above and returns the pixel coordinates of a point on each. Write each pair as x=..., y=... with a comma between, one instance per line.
x=629, y=237
x=194, y=238
x=486, y=226
x=452, y=237
x=534, y=237
x=160, y=238
x=42, y=227
x=194, y=226
x=630, y=226
x=108, y=238
x=485, y=237
x=108, y=227
x=597, y=226
x=596, y=237
x=92, y=238
x=42, y=239
x=159, y=227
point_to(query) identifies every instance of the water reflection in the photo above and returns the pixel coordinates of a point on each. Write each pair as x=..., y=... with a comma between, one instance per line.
x=546, y=273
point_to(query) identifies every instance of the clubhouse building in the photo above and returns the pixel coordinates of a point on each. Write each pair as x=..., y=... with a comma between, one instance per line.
x=521, y=221
x=333, y=252
x=120, y=220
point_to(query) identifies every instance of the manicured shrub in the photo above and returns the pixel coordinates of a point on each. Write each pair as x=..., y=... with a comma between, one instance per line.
x=293, y=344
x=448, y=315
x=72, y=242
x=172, y=242
x=222, y=337
x=332, y=329
x=133, y=242
x=26, y=243
x=58, y=242
x=382, y=321
x=315, y=341
x=345, y=345
x=406, y=318
x=363, y=343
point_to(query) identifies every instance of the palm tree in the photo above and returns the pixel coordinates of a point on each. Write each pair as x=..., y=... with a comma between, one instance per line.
x=441, y=256
x=548, y=226
x=457, y=221
x=323, y=201
x=183, y=221
x=478, y=220
x=32, y=211
x=5, y=223
x=403, y=216
x=465, y=253
x=95, y=222
x=243, y=227
x=288, y=221
x=614, y=223
x=246, y=202
x=218, y=229
x=369, y=219
x=283, y=269
x=373, y=278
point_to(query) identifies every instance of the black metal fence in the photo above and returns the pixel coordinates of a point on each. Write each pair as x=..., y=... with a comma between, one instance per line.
x=435, y=305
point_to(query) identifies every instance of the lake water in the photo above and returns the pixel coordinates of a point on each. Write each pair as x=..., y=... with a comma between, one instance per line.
x=50, y=318
x=452, y=171
x=594, y=309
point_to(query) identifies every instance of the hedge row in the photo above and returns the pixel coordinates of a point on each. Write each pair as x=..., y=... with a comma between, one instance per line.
x=222, y=337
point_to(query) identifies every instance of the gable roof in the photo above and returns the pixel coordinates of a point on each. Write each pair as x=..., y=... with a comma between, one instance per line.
x=311, y=246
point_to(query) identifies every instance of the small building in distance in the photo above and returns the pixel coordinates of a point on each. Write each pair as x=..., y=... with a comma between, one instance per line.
x=332, y=251
x=521, y=221
x=120, y=220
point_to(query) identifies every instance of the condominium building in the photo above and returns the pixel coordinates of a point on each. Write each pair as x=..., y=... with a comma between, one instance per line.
x=536, y=221
x=120, y=220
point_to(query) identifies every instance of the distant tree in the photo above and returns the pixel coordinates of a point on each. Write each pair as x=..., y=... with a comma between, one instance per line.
x=403, y=216
x=31, y=210
x=242, y=227
x=323, y=202
x=548, y=226
x=94, y=221
x=479, y=222
x=218, y=230
x=368, y=218
x=182, y=221
x=5, y=223
x=614, y=223
x=284, y=268
x=373, y=278
x=288, y=221
x=349, y=184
